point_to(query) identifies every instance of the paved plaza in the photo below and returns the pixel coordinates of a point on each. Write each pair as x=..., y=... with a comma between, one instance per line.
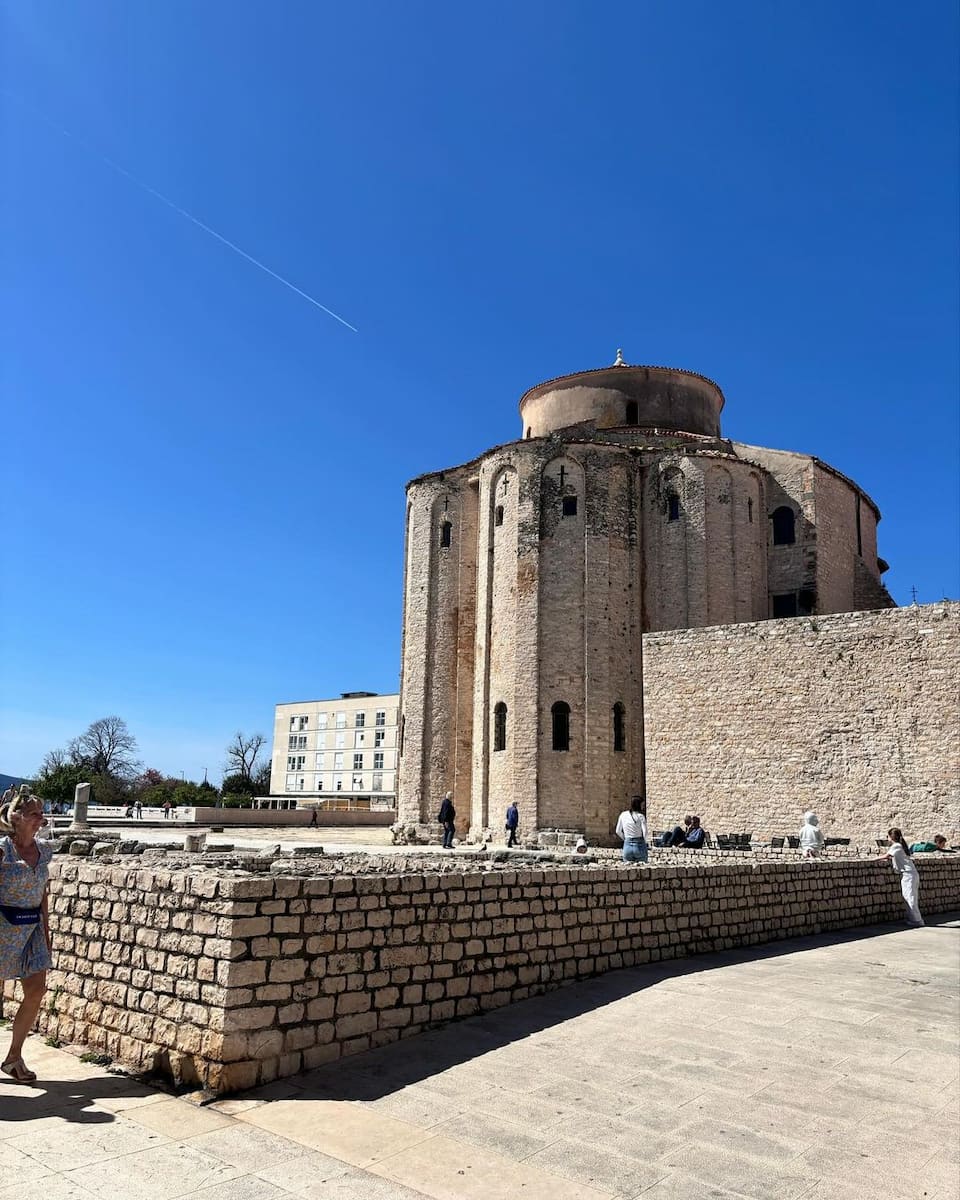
x=823, y=1067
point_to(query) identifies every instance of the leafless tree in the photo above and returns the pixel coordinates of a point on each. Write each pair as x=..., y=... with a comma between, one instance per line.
x=242, y=755
x=53, y=761
x=106, y=748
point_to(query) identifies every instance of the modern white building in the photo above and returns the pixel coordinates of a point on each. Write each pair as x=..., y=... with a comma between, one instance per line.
x=340, y=753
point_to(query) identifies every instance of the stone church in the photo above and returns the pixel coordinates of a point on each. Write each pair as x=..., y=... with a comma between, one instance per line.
x=532, y=572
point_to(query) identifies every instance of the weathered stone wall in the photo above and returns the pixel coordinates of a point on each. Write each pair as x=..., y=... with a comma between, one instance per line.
x=855, y=716
x=232, y=981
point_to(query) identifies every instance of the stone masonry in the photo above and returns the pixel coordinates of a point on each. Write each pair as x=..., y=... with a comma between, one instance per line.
x=855, y=716
x=227, y=980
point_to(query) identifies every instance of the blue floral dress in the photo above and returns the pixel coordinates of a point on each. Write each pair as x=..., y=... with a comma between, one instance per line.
x=23, y=948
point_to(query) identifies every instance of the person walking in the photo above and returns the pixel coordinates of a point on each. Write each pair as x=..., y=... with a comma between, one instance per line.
x=811, y=836
x=24, y=919
x=906, y=868
x=446, y=816
x=632, y=830
x=513, y=821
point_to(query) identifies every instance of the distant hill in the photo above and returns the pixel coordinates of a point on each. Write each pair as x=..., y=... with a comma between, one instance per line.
x=10, y=781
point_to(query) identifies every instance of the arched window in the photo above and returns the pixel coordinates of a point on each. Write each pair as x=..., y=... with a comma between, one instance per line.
x=498, y=515
x=784, y=533
x=673, y=507
x=446, y=530
x=561, y=725
x=633, y=412
x=750, y=511
x=619, y=732
x=528, y=433
x=500, y=726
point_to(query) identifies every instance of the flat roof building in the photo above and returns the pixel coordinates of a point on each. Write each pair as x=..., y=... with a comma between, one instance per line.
x=339, y=753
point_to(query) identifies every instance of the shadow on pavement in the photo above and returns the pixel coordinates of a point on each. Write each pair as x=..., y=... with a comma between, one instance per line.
x=383, y=1071
x=70, y=1099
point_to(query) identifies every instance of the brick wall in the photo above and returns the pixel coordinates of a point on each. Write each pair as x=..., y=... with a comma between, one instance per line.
x=855, y=716
x=230, y=981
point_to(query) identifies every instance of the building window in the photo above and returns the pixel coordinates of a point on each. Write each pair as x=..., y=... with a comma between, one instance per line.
x=381, y=717
x=358, y=739
x=293, y=722
x=321, y=720
x=446, y=532
x=295, y=762
x=360, y=720
x=859, y=531
x=377, y=785
x=527, y=434
x=341, y=720
x=673, y=507
x=321, y=762
x=633, y=412
x=378, y=761
x=561, y=725
x=290, y=783
x=338, y=783
x=786, y=605
x=500, y=726
x=498, y=515
x=619, y=731
x=358, y=762
x=338, y=762
x=568, y=506
x=784, y=532
x=356, y=783
x=378, y=736
x=304, y=722
x=750, y=511
x=300, y=783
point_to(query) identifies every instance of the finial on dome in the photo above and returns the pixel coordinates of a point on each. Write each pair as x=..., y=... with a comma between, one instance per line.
x=618, y=361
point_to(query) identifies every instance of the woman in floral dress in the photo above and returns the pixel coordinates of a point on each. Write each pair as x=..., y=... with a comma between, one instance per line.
x=24, y=924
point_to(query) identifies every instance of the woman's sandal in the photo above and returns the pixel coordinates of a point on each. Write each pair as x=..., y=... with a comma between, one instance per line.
x=17, y=1069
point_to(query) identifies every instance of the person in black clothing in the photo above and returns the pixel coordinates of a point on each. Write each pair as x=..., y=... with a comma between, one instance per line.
x=446, y=817
x=513, y=820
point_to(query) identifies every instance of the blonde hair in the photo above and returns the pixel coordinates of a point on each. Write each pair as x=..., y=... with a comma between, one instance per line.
x=12, y=803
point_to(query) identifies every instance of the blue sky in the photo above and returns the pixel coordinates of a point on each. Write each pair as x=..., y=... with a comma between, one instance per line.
x=203, y=513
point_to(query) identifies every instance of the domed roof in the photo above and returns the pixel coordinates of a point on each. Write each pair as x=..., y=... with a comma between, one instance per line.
x=624, y=395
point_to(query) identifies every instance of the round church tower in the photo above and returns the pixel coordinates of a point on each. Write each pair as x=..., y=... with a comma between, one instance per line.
x=533, y=571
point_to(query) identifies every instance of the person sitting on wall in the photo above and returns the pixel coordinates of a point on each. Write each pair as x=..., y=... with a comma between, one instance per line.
x=675, y=836
x=939, y=843
x=811, y=836
x=688, y=834
x=696, y=835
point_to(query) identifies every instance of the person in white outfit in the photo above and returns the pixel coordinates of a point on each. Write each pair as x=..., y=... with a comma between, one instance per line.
x=811, y=836
x=905, y=867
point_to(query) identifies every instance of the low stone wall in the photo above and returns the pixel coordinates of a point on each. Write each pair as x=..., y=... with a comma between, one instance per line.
x=226, y=980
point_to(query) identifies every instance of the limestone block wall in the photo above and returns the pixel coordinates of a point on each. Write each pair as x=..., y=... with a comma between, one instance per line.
x=854, y=715
x=228, y=982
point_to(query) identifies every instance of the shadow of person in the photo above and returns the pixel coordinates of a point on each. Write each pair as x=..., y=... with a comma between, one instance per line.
x=79, y=1101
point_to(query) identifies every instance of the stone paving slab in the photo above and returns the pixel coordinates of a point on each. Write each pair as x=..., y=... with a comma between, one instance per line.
x=823, y=1068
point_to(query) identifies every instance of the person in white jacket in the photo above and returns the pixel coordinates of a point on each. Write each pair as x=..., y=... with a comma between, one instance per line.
x=811, y=836
x=906, y=868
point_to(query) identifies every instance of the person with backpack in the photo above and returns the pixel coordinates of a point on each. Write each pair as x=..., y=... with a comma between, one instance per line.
x=446, y=816
x=512, y=823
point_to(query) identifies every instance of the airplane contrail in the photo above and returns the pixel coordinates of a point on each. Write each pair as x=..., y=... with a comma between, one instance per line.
x=183, y=213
